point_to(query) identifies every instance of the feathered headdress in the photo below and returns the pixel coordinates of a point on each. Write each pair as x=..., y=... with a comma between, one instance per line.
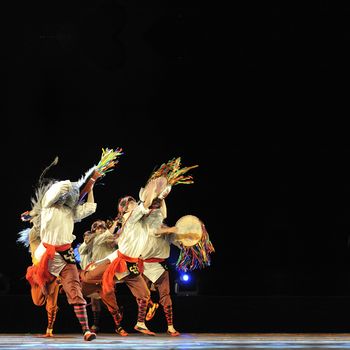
x=107, y=162
x=54, y=162
x=23, y=237
x=34, y=214
x=197, y=256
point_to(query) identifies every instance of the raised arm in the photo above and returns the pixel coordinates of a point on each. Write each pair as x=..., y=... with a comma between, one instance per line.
x=86, y=209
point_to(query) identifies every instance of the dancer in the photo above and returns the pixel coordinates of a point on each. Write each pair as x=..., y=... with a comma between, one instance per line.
x=196, y=253
x=122, y=266
x=155, y=272
x=99, y=242
x=61, y=204
x=157, y=247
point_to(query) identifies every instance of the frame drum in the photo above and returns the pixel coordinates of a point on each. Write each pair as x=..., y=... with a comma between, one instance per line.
x=189, y=230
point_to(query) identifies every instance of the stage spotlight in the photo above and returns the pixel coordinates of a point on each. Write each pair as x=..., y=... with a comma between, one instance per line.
x=186, y=284
x=185, y=278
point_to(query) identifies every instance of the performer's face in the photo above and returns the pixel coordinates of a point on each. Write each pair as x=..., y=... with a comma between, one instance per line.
x=99, y=227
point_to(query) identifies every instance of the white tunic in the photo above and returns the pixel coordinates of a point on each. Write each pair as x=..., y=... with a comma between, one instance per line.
x=132, y=240
x=57, y=222
x=156, y=246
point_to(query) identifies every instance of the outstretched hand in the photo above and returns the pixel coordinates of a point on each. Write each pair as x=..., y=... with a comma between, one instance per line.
x=165, y=230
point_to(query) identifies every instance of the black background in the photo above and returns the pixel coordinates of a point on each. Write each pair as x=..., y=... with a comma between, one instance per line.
x=199, y=81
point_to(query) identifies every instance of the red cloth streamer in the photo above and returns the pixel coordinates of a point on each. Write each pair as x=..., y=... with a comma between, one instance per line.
x=117, y=265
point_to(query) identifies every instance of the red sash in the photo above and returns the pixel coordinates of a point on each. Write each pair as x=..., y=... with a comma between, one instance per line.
x=39, y=274
x=117, y=265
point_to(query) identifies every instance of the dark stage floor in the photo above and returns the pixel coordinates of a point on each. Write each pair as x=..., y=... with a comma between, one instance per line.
x=185, y=341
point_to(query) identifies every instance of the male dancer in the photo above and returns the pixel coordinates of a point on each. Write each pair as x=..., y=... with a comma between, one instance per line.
x=60, y=204
x=99, y=242
x=123, y=264
x=157, y=247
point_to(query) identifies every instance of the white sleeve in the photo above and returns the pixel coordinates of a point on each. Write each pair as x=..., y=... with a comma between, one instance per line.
x=83, y=249
x=81, y=211
x=103, y=237
x=137, y=213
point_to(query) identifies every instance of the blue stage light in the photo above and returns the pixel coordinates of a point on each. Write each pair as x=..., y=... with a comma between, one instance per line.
x=186, y=284
x=185, y=278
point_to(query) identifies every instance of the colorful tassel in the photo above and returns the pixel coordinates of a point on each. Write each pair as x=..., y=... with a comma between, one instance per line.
x=108, y=160
x=173, y=172
x=197, y=256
